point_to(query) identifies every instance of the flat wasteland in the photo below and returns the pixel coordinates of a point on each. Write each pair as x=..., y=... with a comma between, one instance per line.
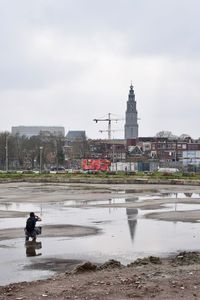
x=167, y=278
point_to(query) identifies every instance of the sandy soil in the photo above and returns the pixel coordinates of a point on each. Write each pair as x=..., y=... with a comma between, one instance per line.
x=176, y=216
x=51, y=231
x=151, y=278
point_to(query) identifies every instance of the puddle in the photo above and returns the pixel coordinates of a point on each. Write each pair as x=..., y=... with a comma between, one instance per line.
x=125, y=234
x=182, y=207
x=122, y=200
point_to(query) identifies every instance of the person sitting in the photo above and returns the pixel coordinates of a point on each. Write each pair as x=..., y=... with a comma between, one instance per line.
x=31, y=230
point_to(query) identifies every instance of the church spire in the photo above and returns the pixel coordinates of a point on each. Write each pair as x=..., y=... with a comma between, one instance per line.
x=131, y=125
x=131, y=95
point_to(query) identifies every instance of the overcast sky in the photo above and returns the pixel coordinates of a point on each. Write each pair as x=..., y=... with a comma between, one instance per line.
x=66, y=62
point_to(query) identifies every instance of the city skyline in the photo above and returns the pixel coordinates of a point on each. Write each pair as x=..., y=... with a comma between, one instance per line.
x=66, y=63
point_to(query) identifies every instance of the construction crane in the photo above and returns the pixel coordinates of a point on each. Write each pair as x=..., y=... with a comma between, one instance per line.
x=109, y=120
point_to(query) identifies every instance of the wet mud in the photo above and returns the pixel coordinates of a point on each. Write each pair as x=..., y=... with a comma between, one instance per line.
x=95, y=222
x=51, y=231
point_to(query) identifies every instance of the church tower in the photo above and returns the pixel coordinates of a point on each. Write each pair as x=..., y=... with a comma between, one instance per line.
x=131, y=125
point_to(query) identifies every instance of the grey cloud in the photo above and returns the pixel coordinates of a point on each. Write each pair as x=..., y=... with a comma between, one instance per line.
x=30, y=74
x=145, y=27
x=95, y=49
x=148, y=27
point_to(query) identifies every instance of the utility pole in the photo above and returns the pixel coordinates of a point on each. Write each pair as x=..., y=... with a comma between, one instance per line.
x=41, y=148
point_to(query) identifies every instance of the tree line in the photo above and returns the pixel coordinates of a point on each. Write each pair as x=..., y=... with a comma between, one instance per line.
x=21, y=152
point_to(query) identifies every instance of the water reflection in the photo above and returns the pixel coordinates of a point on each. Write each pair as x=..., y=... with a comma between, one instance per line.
x=125, y=233
x=132, y=220
x=188, y=195
x=181, y=195
x=132, y=217
x=31, y=248
x=8, y=206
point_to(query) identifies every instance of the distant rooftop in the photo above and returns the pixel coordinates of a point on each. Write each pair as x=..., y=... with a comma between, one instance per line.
x=29, y=131
x=76, y=135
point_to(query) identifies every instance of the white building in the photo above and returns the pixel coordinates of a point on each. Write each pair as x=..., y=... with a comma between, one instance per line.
x=191, y=157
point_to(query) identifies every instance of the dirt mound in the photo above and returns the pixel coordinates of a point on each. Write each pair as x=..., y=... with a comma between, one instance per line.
x=150, y=280
x=110, y=264
x=88, y=266
x=187, y=258
x=84, y=267
x=145, y=261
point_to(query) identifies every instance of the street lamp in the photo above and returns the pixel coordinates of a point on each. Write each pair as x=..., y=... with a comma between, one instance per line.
x=6, y=148
x=41, y=148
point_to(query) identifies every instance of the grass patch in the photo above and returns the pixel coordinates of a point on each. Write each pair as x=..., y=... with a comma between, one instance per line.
x=100, y=175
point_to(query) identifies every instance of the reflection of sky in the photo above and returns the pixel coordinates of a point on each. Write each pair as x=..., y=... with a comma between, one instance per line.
x=150, y=238
x=125, y=235
x=120, y=227
x=182, y=206
x=122, y=200
x=13, y=260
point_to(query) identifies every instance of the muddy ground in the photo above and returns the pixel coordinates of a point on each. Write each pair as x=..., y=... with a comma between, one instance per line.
x=51, y=231
x=151, y=278
x=171, y=278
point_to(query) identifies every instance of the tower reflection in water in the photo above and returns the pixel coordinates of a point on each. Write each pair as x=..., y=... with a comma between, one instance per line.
x=132, y=217
x=32, y=247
